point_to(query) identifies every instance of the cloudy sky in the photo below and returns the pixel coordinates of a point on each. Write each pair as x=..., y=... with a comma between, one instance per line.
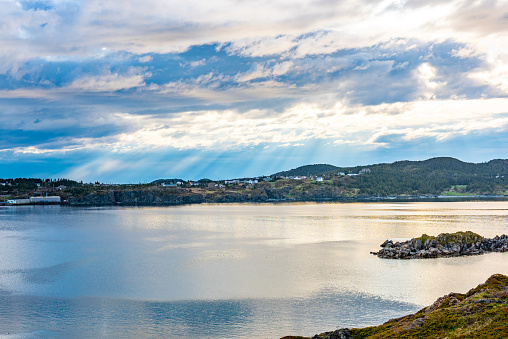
x=134, y=91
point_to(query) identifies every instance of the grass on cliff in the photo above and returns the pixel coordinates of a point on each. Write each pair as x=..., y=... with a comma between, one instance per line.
x=481, y=313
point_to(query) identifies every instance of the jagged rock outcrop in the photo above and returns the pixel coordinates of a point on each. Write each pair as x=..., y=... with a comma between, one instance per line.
x=343, y=333
x=444, y=245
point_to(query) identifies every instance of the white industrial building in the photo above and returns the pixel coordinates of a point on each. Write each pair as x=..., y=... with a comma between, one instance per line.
x=18, y=201
x=47, y=199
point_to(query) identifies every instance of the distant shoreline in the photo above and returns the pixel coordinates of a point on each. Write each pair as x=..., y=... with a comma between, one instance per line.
x=283, y=201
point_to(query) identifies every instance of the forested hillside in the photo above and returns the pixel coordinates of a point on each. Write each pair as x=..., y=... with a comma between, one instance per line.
x=307, y=170
x=434, y=176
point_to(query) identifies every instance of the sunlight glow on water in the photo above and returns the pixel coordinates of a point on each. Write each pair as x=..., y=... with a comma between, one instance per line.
x=236, y=271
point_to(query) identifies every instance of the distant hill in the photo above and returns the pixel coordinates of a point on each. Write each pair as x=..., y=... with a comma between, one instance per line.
x=307, y=170
x=432, y=176
x=442, y=166
x=442, y=175
x=493, y=167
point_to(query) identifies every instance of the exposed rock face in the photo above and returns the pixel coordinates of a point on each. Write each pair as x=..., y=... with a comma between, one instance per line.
x=151, y=197
x=444, y=245
x=136, y=198
x=337, y=334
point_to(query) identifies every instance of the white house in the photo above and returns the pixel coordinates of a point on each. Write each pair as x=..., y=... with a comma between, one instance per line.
x=319, y=179
x=233, y=181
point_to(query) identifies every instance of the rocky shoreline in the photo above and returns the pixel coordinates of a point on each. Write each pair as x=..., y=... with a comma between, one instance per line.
x=342, y=333
x=444, y=245
x=480, y=313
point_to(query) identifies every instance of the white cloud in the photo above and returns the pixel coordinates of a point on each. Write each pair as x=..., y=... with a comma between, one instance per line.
x=263, y=47
x=43, y=149
x=430, y=84
x=288, y=31
x=282, y=68
x=495, y=72
x=496, y=77
x=197, y=63
x=255, y=28
x=341, y=124
x=146, y=58
x=321, y=43
x=257, y=71
x=107, y=82
x=207, y=88
x=465, y=52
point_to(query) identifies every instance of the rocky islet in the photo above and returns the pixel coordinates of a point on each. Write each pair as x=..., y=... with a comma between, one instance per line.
x=444, y=245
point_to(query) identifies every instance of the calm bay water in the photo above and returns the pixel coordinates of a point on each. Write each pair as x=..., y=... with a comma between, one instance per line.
x=227, y=271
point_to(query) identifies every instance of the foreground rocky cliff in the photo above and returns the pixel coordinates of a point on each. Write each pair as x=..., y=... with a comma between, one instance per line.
x=480, y=313
x=444, y=245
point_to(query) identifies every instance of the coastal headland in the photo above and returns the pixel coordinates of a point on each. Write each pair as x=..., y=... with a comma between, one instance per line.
x=480, y=313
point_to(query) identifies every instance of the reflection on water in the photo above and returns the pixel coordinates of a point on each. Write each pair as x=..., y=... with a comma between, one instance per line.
x=36, y=317
x=228, y=270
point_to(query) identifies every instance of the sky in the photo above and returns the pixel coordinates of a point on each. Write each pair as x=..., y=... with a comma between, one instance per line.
x=132, y=91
